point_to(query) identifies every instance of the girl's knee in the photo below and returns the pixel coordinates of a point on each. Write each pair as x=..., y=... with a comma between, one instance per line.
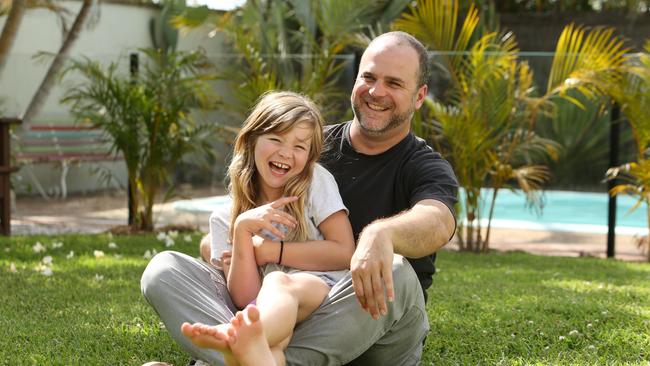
x=277, y=278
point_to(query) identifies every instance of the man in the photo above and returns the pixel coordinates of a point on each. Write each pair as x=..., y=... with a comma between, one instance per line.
x=400, y=195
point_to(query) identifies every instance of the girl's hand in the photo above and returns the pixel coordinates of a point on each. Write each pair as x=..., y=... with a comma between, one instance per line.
x=255, y=220
x=226, y=258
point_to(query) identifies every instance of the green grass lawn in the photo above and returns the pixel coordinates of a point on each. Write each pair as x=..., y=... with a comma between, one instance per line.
x=483, y=309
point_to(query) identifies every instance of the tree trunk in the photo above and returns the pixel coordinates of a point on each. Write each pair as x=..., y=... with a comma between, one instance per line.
x=9, y=30
x=44, y=89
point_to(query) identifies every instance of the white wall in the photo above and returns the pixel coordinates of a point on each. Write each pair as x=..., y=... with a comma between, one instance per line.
x=118, y=30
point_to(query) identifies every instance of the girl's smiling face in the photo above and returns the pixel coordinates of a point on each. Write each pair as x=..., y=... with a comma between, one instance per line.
x=280, y=157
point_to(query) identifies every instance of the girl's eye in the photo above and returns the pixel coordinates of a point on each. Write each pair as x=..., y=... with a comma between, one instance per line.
x=275, y=139
x=301, y=147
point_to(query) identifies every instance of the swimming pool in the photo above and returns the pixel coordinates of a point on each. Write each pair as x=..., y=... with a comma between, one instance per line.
x=563, y=211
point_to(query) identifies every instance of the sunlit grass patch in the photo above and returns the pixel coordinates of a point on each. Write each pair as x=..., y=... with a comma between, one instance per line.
x=508, y=309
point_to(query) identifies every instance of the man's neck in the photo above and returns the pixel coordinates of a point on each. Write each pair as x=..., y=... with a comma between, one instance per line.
x=367, y=144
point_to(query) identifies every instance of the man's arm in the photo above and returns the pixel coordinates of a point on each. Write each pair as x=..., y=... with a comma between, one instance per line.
x=420, y=231
x=414, y=233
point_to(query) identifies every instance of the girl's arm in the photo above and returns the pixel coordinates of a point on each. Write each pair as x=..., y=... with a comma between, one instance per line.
x=243, y=278
x=332, y=253
x=244, y=281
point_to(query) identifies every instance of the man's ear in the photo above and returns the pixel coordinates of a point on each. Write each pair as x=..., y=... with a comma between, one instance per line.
x=421, y=94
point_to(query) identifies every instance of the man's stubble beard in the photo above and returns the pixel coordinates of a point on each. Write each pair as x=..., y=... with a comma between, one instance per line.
x=394, y=121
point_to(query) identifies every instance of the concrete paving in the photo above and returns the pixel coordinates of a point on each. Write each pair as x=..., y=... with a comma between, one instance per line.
x=101, y=211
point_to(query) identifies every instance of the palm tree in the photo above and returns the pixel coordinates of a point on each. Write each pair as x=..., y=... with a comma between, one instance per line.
x=39, y=98
x=633, y=96
x=149, y=122
x=9, y=31
x=485, y=121
x=300, y=45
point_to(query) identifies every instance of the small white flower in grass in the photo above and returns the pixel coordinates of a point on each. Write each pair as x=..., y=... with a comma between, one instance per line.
x=38, y=247
x=169, y=242
x=112, y=245
x=574, y=333
x=530, y=322
x=591, y=347
x=12, y=267
x=47, y=260
x=541, y=334
x=43, y=269
x=188, y=238
x=173, y=234
x=161, y=325
x=547, y=348
x=99, y=277
x=604, y=312
x=161, y=236
x=513, y=335
x=561, y=338
x=590, y=325
x=57, y=244
x=7, y=250
x=98, y=254
x=147, y=254
x=118, y=256
x=70, y=255
x=153, y=252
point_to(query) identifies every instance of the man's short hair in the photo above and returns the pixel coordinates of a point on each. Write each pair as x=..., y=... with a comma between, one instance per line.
x=423, y=56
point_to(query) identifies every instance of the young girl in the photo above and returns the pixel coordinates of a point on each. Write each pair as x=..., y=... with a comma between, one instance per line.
x=287, y=218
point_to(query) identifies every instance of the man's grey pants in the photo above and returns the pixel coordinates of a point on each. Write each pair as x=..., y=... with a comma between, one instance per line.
x=184, y=289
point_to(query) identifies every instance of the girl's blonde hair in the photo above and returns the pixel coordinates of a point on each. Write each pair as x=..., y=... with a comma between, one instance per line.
x=277, y=113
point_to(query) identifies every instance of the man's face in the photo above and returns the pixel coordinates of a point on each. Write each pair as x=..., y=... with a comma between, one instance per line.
x=386, y=94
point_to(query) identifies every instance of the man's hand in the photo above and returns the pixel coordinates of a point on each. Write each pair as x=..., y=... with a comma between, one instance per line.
x=372, y=271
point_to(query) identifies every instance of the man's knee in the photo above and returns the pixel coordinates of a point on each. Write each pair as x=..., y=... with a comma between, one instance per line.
x=405, y=280
x=156, y=277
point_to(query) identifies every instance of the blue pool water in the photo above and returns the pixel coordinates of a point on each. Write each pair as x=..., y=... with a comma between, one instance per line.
x=567, y=211
x=563, y=211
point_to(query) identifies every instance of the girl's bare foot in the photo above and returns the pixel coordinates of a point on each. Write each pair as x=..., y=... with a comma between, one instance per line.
x=247, y=341
x=214, y=337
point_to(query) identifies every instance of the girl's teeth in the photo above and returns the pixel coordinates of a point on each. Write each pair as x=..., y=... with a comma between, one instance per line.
x=280, y=165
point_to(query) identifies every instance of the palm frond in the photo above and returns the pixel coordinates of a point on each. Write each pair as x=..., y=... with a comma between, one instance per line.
x=588, y=61
x=434, y=23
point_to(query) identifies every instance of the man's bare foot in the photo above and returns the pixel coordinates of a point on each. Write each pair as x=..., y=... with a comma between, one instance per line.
x=247, y=341
x=214, y=337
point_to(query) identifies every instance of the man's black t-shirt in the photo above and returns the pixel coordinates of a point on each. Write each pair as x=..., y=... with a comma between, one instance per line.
x=376, y=186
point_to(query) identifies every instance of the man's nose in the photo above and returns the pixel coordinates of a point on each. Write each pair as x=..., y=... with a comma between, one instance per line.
x=377, y=89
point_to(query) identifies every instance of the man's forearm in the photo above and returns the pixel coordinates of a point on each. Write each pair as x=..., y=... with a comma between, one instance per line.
x=420, y=231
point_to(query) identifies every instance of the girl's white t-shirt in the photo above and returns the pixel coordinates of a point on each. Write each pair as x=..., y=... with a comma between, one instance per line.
x=323, y=200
